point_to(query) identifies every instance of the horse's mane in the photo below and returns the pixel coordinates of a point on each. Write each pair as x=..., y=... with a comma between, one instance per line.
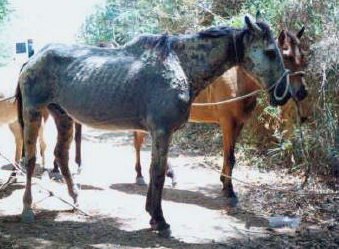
x=162, y=44
x=216, y=32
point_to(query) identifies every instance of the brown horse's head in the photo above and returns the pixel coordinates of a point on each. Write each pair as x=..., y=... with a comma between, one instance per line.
x=294, y=60
x=263, y=62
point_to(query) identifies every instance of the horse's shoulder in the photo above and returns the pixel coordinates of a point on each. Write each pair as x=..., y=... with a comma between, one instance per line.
x=228, y=81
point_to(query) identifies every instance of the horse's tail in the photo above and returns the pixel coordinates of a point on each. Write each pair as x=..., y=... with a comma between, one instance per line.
x=18, y=99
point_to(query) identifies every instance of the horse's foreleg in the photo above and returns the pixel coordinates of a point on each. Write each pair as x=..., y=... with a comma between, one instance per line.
x=160, y=145
x=31, y=129
x=138, y=141
x=64, y=126
x=229, y=130
x=78, y=131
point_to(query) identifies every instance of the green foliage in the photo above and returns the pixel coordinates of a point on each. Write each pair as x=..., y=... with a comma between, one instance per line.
x=4, y=10
x=5, y=51
x=122, y=20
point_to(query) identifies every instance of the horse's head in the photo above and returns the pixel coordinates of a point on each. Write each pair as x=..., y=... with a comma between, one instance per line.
x=294, y=60
x=263, y=61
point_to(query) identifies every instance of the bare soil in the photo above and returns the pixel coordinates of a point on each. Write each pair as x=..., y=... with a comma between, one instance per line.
x=111, y=212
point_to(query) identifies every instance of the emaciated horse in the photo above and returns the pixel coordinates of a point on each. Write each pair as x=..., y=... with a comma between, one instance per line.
x=148, y=84
x=232, y=116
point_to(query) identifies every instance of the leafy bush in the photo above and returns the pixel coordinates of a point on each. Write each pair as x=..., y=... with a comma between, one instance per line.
x=5, y=51
x=4, y=10
x=121, y=20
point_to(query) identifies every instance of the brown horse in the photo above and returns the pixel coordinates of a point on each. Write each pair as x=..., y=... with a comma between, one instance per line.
x=232, y=116
x=9, y=116
x=149, y=84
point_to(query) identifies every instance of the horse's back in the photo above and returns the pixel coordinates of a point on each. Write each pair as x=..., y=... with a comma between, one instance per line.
x=120, y=88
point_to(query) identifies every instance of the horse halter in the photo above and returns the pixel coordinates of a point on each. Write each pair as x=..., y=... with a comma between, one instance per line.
x=287, y=86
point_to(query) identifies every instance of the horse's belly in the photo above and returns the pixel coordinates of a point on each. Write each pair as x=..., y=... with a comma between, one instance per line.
x=106, y=121
x=99, y=110
x=113, y=125
x=204, y=115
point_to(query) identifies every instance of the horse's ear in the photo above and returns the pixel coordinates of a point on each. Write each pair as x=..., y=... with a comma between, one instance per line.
x=252, y=26
x=281, y=38
x=301, y=32
x=258, y=16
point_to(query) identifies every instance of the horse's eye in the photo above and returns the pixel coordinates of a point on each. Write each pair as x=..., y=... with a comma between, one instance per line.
x=271, y=54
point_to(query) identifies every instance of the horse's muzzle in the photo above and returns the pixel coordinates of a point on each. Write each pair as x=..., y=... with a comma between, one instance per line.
x=301, y=93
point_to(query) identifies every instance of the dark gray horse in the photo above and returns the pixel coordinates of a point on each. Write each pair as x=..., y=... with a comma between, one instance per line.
x=149, y=85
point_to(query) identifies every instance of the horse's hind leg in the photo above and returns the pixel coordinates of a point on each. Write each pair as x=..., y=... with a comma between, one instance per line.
x=17, y=133
x=77, y=138
x=32, y=124
x=64, y=126
x=160, y=144
x=41, y=138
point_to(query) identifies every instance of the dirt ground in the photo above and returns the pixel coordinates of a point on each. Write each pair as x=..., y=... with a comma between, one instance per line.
x=112, y=213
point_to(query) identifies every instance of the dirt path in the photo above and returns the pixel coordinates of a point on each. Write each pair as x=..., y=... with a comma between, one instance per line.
x=198, y=214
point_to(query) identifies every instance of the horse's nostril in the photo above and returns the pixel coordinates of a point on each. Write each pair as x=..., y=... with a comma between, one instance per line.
x=303, y=119
x=302, y=93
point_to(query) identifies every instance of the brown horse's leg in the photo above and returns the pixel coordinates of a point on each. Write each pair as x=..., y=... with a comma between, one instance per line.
x=31, y=129
x=160, y=144
x=16, y=130
x=78, y=131
x=138, y=141
x=42, y=145
x=41, y=138
x=64, y=126
x=229, y=129
x=17, y=133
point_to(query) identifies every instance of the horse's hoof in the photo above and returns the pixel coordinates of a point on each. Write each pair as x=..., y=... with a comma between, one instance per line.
x=140, y=181
x=229, y=193
x=159, y=226
x=174, y=182
x=79, y=169
x=28, y=215
x=76, y=205
x=165, y=233
x=13, y=178
x=231, y=198
x=170, y=174
x=55, y=176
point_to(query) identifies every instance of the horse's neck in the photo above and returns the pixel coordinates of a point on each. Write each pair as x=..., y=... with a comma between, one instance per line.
x=205, y=59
